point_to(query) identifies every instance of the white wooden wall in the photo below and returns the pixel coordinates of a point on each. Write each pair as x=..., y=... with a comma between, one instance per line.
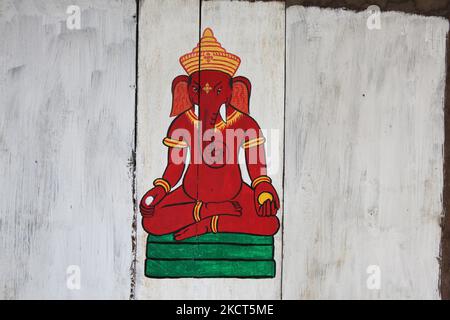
x=66, y=137
x=166, y=29
x=363, y=155
x=364, y=133
x=254, y=32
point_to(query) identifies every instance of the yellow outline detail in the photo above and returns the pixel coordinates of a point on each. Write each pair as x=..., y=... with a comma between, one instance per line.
x=253, y=142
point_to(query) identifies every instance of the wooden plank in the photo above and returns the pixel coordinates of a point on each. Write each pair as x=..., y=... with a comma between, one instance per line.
x=254, y=31
x=364, y=118
x=66, y=136
x=167, y=29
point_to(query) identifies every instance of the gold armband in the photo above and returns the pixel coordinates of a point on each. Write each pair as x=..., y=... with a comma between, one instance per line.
x=259, y=180
x=253, y=142
x=163, y=183
x=214, y=222
x=197, y=208
x=172, y=143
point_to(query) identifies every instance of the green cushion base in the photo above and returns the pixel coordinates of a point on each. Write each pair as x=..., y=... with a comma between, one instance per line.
x=209, y=251
x=209, y=269
x=210, y=256
x=238, y=238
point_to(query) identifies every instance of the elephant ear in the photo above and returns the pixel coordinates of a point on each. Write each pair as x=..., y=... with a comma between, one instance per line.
x=240, y=96
x=180, y=96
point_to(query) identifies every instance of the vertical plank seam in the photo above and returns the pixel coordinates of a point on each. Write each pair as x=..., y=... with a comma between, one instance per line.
x=444, y=250
x=200, y=5
x=283, y=154
x=133, y=155
x=199, y=35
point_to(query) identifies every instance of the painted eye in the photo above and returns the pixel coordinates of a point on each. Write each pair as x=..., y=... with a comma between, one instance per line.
x=195, y=89
x=219, y=90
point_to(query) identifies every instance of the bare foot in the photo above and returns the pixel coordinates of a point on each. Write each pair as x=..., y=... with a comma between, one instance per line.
x=232, y=208
x=193, y=230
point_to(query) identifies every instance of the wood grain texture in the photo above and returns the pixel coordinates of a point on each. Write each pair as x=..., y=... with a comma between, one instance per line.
x=66, y=136
x=168, y=29
x=364, y=137
x=364, y=121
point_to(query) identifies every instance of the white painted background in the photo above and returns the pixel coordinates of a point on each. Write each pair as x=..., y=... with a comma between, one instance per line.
x=66, y=137
x=166, y=29
x=364, y=134
x=364, y=140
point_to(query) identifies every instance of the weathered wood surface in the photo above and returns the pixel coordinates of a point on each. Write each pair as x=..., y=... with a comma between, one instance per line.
x=364, y=133
x=168, y=29
x=66, y=137
x=364, y=137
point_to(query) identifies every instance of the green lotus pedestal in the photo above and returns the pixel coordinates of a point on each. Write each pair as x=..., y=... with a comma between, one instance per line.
x=224, y=255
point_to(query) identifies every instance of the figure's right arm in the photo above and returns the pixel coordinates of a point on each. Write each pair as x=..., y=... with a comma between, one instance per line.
x=177, y=141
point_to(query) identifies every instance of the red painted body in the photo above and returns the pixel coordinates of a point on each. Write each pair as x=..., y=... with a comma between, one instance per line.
x=217, y=184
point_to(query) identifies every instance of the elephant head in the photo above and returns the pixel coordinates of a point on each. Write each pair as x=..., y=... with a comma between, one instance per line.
x=211, y=91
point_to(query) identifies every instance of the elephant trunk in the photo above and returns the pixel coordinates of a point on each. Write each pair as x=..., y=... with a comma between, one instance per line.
x=208, y=117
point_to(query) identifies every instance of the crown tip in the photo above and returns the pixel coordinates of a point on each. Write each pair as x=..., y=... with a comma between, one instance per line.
x=208, y=32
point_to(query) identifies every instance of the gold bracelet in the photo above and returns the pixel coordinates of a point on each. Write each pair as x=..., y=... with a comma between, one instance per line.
x=259, y=180
x=172, y=143
x=163, y=183
x=214, y=223
x=197, y=208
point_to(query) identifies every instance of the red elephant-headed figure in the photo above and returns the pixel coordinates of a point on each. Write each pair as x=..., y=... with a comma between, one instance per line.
x=212, y=124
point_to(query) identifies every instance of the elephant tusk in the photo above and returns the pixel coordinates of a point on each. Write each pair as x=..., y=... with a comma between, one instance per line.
x=196, y=111
x=223, y=113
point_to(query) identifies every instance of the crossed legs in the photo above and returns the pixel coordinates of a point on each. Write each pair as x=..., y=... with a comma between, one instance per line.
x=179, y=213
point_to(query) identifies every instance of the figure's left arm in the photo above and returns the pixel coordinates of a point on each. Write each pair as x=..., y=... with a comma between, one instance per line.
x=266, y=198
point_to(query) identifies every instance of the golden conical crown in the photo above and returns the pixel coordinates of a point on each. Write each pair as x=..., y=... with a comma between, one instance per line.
x=209, y=55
